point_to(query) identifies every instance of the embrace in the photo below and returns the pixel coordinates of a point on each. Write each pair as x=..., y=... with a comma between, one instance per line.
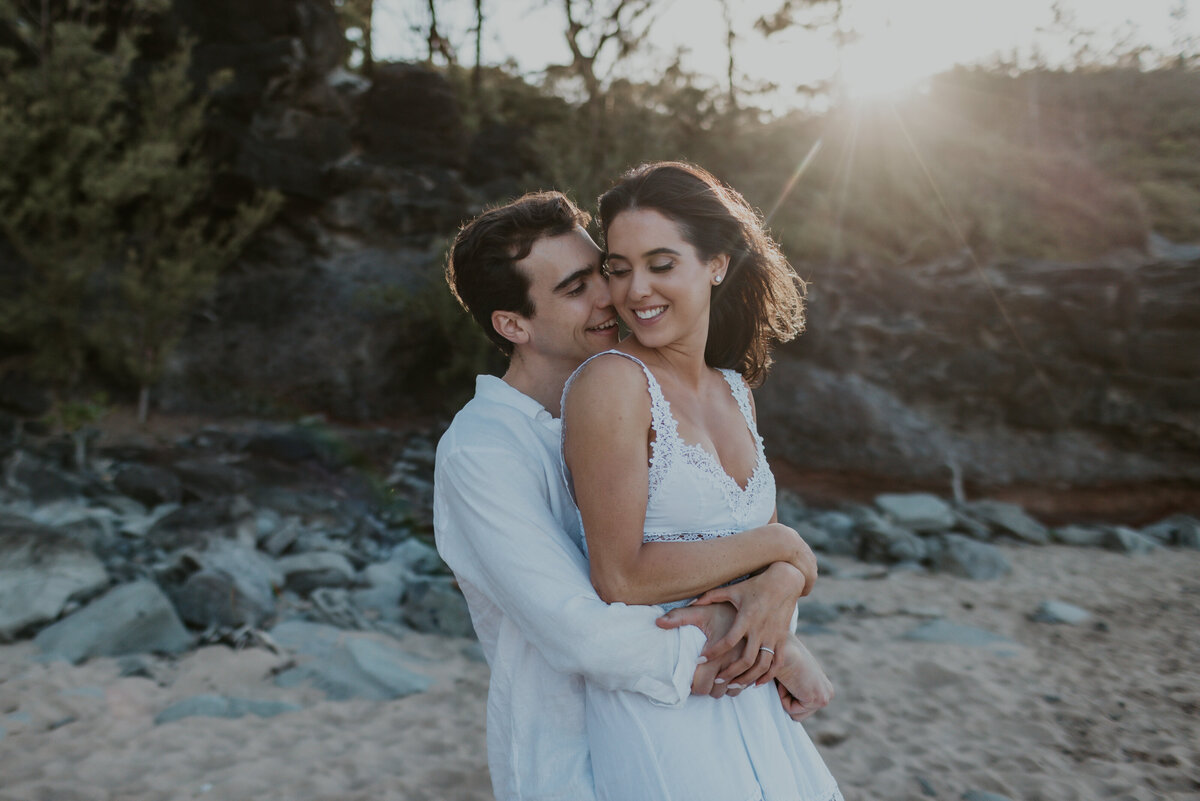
x=601, y=483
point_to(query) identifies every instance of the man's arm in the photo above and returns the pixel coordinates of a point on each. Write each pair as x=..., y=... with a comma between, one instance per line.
x=495, y=530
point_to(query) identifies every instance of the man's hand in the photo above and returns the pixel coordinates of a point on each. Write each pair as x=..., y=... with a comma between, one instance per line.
x=802, y=685
x=765, y=604
x=715, y=621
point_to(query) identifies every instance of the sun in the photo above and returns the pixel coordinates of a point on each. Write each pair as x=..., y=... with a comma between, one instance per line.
x=880, y=69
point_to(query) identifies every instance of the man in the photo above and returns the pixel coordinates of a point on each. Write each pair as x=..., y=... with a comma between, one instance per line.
x=506, y=525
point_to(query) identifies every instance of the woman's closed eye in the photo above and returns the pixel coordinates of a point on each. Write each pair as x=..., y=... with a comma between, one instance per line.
x=662, y=268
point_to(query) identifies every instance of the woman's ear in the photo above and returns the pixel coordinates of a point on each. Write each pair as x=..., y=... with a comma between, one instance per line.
x=511, y=326
x=718, y=266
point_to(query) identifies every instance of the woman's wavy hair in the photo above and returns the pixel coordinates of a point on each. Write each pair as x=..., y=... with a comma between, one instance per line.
x=761, y=300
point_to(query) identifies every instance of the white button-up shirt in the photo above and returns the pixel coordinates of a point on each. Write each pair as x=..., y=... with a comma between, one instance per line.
x=506, y=525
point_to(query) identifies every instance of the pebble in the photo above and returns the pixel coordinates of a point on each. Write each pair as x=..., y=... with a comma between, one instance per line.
x=1060, y=612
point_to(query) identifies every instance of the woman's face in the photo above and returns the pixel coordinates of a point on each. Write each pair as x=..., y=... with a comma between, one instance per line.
x=660, y=286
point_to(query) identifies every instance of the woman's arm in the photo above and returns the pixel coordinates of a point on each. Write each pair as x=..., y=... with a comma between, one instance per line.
x=607, y=419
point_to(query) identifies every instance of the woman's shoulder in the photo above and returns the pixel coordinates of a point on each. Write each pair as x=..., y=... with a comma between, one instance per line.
x=614, y=377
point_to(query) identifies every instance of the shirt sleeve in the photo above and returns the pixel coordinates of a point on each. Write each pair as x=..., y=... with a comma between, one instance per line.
x=495, y=529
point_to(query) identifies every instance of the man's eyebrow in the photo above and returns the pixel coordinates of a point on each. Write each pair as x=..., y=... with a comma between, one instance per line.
x=646, y=255
x=573, y=277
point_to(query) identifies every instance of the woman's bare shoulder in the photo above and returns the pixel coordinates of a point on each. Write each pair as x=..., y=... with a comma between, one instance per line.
x=610, y=381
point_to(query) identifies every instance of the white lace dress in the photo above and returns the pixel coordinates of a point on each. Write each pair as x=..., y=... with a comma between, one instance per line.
x=730, y=749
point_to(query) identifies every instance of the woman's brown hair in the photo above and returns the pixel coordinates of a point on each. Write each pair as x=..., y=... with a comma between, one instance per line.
x=761, y=300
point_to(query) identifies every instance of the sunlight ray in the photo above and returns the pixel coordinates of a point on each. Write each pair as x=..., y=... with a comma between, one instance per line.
x=958, y=234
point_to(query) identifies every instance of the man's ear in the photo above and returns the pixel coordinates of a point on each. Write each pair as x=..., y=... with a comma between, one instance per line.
x=511, y=326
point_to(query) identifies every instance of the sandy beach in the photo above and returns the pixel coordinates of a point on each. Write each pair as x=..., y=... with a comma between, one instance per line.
x=1105, y=709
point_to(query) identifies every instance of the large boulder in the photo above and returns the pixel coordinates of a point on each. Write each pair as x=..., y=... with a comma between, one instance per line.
x=41, y=571
x=151, y=485
x=968, y=558
x=131, y=619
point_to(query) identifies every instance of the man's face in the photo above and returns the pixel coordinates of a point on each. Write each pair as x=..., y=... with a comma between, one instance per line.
x=573, y=315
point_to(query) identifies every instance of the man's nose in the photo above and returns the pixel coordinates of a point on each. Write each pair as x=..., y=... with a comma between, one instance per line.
x=603, y=294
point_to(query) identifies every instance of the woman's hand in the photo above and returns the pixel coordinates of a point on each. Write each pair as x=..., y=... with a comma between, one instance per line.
x=765, y=604
x=802, y=685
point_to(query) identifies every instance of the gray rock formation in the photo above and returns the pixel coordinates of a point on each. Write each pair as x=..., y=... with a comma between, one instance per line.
x=41, y=570
x=345, y=665
x=968, y=558
x=219, y=706
x=906, y=370
x=133, y=618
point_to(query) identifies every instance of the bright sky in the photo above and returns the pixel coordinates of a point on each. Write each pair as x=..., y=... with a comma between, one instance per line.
x=901, y=41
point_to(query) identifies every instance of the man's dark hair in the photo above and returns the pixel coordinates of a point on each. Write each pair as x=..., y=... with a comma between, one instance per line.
x=482, y=269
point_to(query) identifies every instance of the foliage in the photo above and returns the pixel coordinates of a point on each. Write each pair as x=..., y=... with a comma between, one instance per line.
x=102, y=196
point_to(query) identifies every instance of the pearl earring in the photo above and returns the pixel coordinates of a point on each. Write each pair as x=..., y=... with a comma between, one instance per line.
x=717, y=279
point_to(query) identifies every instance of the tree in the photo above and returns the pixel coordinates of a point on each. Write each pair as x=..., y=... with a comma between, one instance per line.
x=438, y=45
x=102, y=197
x=477, y=70
x=357, y=17
x=599, y=30
x=817, y=16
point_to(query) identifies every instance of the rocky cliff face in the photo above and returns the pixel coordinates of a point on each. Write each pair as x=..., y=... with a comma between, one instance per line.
x=1019, y=373
x=1022, y=373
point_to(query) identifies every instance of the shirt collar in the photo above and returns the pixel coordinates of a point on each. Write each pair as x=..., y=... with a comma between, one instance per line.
x=497, y=390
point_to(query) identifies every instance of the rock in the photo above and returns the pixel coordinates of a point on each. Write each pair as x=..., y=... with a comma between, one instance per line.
x=133, y=618
x=1080, y=536
x=883, y=541
x=293, y=446
x=1180, y=530
x=434, y=604
x=965, y=524
x=193, y=525
x=815, y=612
x=215, y=598
x=1060, y=612
x=41, y=571
x=306, y=571
x=151, y=486
x=980, y=795
x=283, y=537
x=919, y=512
x=203, y=479
x=418, y=557
x=1126, y=540
x=218, y=706
x=944, y=631
x=968, y=558
x=133, y=665
x=840, y=533
x=347, y=665
x=1008, y=518
x=44, y=482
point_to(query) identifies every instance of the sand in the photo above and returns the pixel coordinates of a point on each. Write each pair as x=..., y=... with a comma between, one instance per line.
x=1107, y=709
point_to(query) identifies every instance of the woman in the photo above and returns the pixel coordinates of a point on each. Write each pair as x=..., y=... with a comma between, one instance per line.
x=661, y=447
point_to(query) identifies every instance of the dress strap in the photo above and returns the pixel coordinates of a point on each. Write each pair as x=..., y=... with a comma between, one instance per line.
x=661, y=419
x=741, y=394
x=666, y=430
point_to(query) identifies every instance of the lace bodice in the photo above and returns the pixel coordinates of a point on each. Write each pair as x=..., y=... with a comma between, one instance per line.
x=691, y=497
